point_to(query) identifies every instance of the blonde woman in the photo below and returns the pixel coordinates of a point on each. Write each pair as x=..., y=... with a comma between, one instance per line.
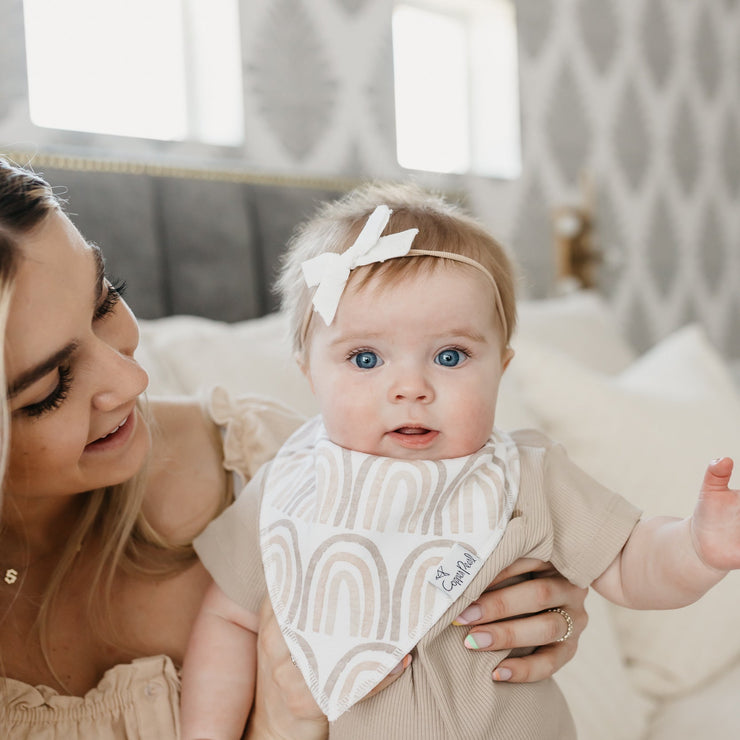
x=103, y=494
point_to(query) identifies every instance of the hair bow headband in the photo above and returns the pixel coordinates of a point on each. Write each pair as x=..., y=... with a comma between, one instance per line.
x=330, y=270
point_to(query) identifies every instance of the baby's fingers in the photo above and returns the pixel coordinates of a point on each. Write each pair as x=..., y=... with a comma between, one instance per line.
x=717, y=475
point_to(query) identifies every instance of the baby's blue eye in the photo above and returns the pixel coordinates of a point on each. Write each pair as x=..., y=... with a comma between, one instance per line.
x=449, y=357
x=366, y=360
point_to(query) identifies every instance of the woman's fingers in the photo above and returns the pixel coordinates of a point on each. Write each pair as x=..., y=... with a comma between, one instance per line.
x=283, y=705
x=523, y=598
x=539, y=665
x=392, y=676
x=529, y=567
x=535, y=630
x=283, y=699
x=520, y=615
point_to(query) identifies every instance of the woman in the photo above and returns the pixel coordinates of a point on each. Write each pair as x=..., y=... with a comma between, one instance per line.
x=102, y=496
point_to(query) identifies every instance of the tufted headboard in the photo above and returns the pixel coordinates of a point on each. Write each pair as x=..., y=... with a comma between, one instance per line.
x=199, y=242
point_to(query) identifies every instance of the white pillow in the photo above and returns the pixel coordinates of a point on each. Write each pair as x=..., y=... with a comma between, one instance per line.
x=604, y=703
x=190, y=354
x=649, y=433
x=581, y=325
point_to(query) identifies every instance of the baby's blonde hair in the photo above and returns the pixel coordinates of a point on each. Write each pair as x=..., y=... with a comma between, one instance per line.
x=443, y=227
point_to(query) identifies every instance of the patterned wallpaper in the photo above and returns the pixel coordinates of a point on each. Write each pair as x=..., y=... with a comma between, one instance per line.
x=642, y=95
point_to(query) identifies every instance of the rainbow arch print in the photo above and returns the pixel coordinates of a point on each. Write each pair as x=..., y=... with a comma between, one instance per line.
x=413, y=598
x=359, y=670
x=346, y=564
x=282, y=565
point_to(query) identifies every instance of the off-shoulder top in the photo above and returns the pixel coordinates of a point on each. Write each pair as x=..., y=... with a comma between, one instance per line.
x=140, y=700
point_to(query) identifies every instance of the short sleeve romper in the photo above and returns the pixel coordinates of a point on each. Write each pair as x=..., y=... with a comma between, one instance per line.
x=562, y=516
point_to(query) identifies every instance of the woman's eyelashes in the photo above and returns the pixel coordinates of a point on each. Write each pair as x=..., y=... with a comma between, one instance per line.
x=114, y=293
x=55, y=398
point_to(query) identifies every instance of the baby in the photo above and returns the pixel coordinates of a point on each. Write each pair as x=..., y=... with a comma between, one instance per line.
x=381, y=519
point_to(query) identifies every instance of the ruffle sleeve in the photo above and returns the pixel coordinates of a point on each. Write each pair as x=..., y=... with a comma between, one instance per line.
x=253, y=427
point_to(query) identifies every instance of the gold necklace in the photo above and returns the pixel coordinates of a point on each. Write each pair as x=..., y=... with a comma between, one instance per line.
x=12, y=575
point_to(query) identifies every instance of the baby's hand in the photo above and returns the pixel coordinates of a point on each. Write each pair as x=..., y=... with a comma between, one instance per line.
x=715, y=526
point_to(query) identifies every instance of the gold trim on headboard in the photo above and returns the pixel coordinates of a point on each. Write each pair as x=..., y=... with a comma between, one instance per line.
x=137, y=167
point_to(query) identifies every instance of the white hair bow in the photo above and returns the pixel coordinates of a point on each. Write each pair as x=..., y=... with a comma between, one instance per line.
x=330, y=271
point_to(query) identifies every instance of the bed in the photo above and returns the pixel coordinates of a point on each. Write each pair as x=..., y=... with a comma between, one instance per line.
x=199, y=250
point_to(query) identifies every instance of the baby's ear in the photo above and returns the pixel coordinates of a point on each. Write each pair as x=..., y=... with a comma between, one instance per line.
x=507, y=357
x=302, y=362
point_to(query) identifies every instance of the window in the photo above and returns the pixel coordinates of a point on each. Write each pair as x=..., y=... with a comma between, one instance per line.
x=457, y=86
x=136, y=68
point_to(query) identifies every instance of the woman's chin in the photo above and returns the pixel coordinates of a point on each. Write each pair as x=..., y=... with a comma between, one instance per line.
x=120, y=455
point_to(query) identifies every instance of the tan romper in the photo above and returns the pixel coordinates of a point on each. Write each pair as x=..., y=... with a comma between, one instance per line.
x=562, y=516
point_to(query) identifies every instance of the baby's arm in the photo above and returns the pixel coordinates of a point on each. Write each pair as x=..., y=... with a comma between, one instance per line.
x=219, y=670
x=668, y=563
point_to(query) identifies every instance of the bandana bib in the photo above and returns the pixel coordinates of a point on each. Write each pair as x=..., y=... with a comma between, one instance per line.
x=363, y=554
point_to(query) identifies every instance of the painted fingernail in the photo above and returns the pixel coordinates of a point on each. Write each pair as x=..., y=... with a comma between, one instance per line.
x=478, y=640
x=502, y=674
x=471, y=614
x=402, y=666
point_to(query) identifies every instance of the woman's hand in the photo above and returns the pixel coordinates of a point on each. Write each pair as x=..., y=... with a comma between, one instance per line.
x=515, y=615
x=283, y=706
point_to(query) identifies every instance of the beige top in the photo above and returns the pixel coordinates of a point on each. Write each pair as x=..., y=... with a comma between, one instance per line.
x=562, y=516
x=140, y=700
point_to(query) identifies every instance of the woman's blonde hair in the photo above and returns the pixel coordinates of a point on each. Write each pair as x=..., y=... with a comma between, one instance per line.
x=124, y=539
x=443, y=227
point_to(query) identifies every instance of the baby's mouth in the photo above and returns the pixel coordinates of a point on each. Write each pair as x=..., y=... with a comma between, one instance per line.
x=414, y=437
x=412, y=430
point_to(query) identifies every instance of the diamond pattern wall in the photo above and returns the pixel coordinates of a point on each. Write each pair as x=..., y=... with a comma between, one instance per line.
x=292, y=78
x=643, y=96
x=656, y=41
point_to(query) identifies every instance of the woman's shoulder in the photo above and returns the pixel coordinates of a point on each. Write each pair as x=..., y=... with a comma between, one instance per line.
x=187, y=483
x=197, y=444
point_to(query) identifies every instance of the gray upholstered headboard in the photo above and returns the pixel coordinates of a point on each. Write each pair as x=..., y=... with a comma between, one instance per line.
x=186, y=241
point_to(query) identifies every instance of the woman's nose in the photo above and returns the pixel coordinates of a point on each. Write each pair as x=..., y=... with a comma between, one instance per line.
x=122, y=379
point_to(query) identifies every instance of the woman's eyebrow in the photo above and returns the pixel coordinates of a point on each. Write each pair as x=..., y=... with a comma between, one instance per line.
x=30, y=376
x=99, y=271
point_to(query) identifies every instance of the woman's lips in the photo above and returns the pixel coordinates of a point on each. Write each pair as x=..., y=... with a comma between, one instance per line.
x=116, y=436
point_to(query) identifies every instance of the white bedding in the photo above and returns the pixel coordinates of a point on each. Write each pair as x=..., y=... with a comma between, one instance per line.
x=646, y=426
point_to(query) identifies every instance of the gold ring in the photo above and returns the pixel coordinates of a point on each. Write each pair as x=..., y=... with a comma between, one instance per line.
x=568, y=623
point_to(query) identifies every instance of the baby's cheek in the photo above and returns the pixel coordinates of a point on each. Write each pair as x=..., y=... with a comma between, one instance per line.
x=477, y=424
x=345, y=423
